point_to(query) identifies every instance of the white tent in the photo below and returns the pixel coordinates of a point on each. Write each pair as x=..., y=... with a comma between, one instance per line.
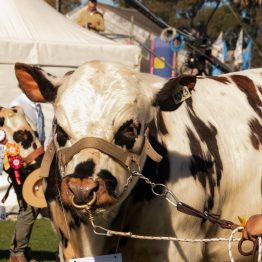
x=33, y=32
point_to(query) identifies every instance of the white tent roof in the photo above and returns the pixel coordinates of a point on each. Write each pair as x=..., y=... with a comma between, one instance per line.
x=31, y=31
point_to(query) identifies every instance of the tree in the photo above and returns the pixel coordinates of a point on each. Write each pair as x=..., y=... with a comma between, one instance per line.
x=230, y=17
x=65, y=5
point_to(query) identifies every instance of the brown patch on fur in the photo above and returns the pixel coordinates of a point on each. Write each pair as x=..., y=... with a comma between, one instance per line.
x=256, y=133
x=103, y=198
x=34, y=146
x=59, y=221
x=221, y=79
x=207, y=134
x=2, y=121
x=161, y=123
x=247, y=86
x=259, y=89
x=69, y=73
x=202, y=168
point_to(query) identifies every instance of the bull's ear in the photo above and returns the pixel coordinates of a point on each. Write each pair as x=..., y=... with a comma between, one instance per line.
x=174, y=92
x=38, y=85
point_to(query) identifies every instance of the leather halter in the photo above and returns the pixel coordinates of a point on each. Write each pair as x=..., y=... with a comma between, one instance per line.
x=35, y=154
x=126, y=159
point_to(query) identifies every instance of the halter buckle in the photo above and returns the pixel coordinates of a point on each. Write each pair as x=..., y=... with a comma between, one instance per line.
x=134, y=166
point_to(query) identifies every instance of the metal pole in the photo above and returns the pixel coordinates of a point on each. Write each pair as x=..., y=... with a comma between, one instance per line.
x=132, y=29
x=58, y=5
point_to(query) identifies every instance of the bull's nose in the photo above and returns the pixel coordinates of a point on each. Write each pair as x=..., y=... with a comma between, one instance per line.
x=82, y=189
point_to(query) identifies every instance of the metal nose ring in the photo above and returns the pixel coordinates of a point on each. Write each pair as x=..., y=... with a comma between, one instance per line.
x=86, y=206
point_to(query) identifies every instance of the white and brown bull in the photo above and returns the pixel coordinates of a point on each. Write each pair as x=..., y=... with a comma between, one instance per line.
x=211, y=146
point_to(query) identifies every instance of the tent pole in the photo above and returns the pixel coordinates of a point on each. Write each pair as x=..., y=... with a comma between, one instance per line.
x=58, y=5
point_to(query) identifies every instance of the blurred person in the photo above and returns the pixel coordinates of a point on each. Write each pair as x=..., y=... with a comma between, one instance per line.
x=19, y=250
x=91, y=18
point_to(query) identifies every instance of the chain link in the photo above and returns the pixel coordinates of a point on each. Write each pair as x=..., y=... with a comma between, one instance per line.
x=158, y=189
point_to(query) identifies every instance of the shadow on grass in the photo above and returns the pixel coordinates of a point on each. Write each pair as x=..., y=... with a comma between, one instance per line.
x=38, y=255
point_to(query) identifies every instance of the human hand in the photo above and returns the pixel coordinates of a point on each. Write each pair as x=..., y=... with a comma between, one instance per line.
x=252, y=230
x=253, y=227
x=91, y=25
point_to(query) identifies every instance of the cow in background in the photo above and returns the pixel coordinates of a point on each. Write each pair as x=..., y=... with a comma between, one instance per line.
x=21, y=153
x=21, y=135
x=211, y=145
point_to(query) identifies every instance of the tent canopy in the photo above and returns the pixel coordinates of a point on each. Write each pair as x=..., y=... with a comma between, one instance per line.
x=33, y=32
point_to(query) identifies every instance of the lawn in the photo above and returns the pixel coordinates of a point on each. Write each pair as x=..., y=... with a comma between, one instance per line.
x=43, y=240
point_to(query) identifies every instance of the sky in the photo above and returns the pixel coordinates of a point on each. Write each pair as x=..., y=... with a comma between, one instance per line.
x=109, y=2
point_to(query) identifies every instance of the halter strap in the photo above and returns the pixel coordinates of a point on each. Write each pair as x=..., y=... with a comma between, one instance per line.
x=47, y=159
x=126, y=159
x=35, y=154
x=123, y=157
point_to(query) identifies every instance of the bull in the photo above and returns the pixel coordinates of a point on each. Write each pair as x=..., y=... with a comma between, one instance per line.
x=206, y=133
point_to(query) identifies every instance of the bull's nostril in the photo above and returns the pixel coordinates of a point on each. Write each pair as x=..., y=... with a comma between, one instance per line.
x=82, y=189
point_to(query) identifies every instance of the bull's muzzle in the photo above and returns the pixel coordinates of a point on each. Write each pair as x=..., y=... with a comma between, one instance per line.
x=85, y=193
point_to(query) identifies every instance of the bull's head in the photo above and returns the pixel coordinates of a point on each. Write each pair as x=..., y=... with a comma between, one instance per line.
x=18, y=129
x=20, y=148
x=100, y=100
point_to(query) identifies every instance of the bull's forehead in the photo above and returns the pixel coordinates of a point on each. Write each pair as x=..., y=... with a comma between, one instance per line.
x=98, y=98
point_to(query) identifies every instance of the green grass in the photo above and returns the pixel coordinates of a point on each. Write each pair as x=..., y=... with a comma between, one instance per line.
x=43, y=240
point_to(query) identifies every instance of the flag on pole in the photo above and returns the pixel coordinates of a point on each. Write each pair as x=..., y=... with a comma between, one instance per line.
x=219, y=50
x=238, y=52
x=247, y=56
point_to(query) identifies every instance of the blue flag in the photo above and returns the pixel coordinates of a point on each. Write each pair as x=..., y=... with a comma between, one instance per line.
x=247, y=56
x=220, y=51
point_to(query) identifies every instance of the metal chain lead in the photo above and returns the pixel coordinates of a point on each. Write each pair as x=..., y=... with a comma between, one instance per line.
x=165, y=192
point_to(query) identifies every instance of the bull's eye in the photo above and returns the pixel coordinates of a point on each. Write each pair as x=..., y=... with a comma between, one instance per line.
x=130, y=131
x=127, y=134
x=61, y=136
